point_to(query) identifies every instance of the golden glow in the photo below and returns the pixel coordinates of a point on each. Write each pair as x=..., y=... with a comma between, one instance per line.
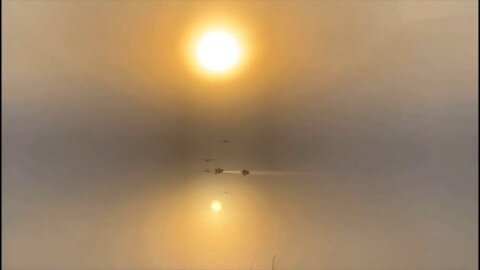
x=218, y=51
x=218, y=47
x=216, y=206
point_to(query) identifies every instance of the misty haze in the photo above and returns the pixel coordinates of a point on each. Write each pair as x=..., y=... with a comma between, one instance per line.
x=195, y=135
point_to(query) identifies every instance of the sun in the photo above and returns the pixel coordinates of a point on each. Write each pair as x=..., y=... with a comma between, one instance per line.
x=218, y=51
x=216, y=206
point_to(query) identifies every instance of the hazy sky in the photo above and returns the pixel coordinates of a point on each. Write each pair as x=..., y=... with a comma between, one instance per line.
x=105, y=125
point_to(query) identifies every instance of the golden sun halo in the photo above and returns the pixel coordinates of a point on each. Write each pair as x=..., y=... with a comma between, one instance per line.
x=216, y=206
x=218, y=51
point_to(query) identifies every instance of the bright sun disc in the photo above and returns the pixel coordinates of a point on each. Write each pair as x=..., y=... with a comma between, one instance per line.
x=217, y=51
x=216, y=206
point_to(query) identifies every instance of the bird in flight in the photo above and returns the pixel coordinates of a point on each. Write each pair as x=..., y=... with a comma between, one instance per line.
x=245, y=172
